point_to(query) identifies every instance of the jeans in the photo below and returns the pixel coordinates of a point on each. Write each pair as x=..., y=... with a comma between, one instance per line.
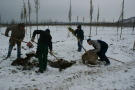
x=80, y=42
x=18, y=50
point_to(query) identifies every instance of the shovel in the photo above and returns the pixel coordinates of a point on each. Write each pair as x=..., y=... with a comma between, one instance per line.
x=50, y=52
x=72, y=31
x=29, y=44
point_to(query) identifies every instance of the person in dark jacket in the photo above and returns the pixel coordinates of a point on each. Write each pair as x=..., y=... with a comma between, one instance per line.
x=80, y=36
x=44, y=41
x=100, y=47
x=17, y=35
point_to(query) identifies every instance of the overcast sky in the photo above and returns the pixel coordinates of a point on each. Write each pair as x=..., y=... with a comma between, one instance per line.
x=57, y=10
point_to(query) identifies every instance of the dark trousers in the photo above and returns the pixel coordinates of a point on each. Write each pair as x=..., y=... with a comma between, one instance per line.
x=101, y=53
x=42, y=51
x=18, y=50
x=80, y=42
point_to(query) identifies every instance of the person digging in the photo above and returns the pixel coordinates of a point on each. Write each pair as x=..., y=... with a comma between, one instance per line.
x=44, y=41
x=100, y=48
x=79, y=33
x=17, y=32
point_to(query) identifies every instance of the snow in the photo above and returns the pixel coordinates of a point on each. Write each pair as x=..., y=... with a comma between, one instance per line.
x=117, y=76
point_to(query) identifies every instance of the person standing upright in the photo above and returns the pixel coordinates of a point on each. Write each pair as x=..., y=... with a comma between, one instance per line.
x=79, y=33
x=17, y=35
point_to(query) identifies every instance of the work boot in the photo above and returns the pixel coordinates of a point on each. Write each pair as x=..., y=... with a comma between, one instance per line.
x=100, y=60
x=39, y=71
x=7, y=57
x=106, y=64
x=79, y=50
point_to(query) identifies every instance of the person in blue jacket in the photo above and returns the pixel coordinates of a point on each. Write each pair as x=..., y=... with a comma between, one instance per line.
x=100, y=47
x=80, y=36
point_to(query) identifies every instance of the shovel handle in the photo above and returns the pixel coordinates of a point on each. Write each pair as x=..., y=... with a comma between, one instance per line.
x=54, y=56
x=116, y=60
x=15, y=38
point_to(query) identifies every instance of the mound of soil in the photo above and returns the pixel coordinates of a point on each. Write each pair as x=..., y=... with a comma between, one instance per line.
x=26, y=62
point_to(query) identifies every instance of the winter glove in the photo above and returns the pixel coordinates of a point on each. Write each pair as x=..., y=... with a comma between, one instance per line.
x=32, y=39
x=78, y=39
x=6, y=35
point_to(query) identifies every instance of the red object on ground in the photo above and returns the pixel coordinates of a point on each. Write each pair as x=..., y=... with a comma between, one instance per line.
x=30, y=45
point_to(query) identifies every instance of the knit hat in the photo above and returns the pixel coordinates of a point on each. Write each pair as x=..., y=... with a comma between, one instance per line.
x=88, y=40
x=48, y=31
x=79, y=26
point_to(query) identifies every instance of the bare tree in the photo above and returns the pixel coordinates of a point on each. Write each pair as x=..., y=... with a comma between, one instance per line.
x=70, y=13
x=70, y=16
x=29, y=14
x=121, y=17
x=118, y=26
x=0, y=21
x=91, y=14
x=21, y=15
x=83, y=19
x=77, y=18
x=0, y=18
x=24, y=14
x=97, y=20
x=133, y=27
x=37, y=6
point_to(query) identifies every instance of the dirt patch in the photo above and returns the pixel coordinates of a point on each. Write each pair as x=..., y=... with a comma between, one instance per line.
x=26, y=62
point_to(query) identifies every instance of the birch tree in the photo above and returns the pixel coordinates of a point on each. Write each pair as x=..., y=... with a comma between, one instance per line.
x=91, y=15
x=121, y=18
x=21, y=15
x=70, y=15
x=77, y=18
x=97, y=20
x=29, y=14
x=83, y=19
x=0, y=22
x=37, y=6
x=24, y=14
x=133, y=27
x=0, y=18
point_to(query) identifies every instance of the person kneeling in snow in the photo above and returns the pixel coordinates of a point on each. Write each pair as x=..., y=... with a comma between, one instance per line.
x=101, y=48
x=44, y=42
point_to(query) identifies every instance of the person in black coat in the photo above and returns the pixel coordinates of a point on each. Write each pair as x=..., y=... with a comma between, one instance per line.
x=44, y=41
x=80, y=36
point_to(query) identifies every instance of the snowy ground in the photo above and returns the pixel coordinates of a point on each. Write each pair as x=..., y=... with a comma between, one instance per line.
x=116, y=76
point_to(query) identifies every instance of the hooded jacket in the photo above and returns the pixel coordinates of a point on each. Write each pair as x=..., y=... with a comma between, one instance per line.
x=79, y=34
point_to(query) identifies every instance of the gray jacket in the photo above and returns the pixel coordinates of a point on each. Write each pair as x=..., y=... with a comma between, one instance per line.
x=96, y=45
